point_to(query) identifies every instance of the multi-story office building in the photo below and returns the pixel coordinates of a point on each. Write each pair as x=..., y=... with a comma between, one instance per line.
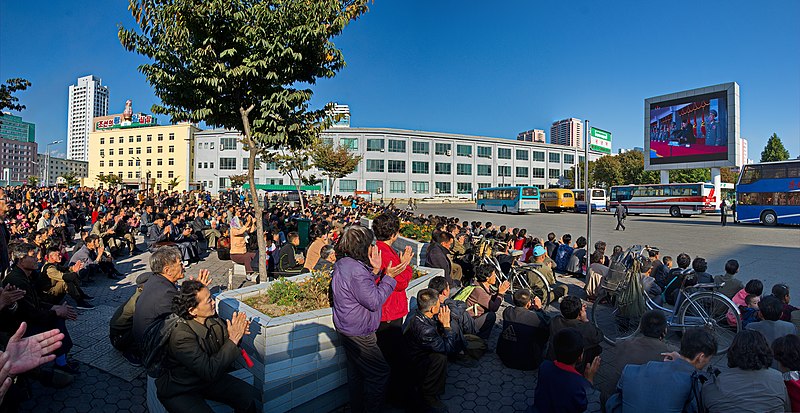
x=341, y=114
x=743, y=160
x=143, y=154
x=17, y=149
x=87, y=100
x=567, y=132
x=58, y=167
x=533, y=135
x=403, y=163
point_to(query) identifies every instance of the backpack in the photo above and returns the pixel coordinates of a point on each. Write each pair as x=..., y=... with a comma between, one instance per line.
x=464, y=293
x=155, y=342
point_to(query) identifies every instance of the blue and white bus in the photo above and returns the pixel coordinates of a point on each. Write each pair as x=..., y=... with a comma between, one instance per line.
x=513, y=199
x=598, y=200
x=769, y=193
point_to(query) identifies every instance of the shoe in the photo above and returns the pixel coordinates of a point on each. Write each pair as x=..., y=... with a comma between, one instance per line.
x=83, y=305
x=115, y=277
x=133, y=359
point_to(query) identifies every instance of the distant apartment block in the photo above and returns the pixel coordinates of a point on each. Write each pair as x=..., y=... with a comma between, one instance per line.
x=567, y=132
x=533, y=135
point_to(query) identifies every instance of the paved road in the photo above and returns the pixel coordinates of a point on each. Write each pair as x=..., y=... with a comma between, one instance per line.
x=771, y=254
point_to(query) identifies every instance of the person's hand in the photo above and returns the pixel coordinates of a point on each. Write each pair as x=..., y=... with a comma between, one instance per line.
x=504, y=286
x=238, y=327
x=537, y=303
x=444, y=315
x=167, y=229
x=591, y=369
x=10, y=295
x=5, y=373
x=187, y=231
x=100, y=251
x=204, y=276
x=77, y=266
x=30, y=352
x=396, y=270
x=375, y=259
x=584, y=316
x=671, y=356
x=301, y=260
x=66, y=312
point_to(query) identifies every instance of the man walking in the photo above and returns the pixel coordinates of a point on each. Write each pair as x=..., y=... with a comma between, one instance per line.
x=620, y=213
x=723, y=212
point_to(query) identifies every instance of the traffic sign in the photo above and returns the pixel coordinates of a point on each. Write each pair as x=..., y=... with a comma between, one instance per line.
x=599, y=140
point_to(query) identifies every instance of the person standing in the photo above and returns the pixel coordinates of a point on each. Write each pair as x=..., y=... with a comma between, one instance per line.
x=723, y=212
x=620, y=213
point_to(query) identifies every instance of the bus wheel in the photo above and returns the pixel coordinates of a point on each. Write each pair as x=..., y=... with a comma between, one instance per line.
x=768, y=217
x=675, y=211
x=505, y=209
x=483, y=207
x=543, y=208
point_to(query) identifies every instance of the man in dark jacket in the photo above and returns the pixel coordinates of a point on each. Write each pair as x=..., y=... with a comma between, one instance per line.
x=287, y=256
x=91, y=254
x=525, y=333
x=202, y=227
x=573, y=315
x=460, y=321
x=121, y=324
x=438, y=255
x=429, y=342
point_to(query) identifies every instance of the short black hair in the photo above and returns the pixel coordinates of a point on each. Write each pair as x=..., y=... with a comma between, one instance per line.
x=786, y=350
x=696, y=341
x=292, y=235
x=385, y=226
x=699, y=264
x=771, y=308
x=571, y=307
x=566, y=238
x=522, y=297
x=427, y=299
x=749, y=351
x=652, y=253
x=780, y=291
x=483, y=272
x=732, y=267
x=581, y=242
x=438, y=283
x=667, y=260
x=186, y=299
x=748, y=299
x=754, y=286
x=646, y=266
x=444, y=237
x=568, y=346
x=684, y=260
x=551, y=236
x=354, y=242
x=653, y=324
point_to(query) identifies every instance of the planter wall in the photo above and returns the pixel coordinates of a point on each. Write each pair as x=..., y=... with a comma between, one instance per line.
x=420, y=249
x=299, y=363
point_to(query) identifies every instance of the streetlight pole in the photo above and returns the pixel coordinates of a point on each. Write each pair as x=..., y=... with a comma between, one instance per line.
x=47, y=165
x=587, y=193
x=139, y=164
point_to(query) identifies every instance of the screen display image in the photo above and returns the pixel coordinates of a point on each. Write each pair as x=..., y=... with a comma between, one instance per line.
x=692, y=129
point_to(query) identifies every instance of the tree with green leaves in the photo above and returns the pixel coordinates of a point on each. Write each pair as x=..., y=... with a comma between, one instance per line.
x=682, y=176
x=172, y=183
x=71, y=179
x=335, y=163
x=774, y=151
x=7, y=90
x=294, y=163
x=33, y=180
x=242, y=64
x=632, y=168
x=607, y=171
x=111, y=180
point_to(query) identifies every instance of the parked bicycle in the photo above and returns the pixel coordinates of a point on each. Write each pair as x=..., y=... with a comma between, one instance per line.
x=618, y=308
x=508, y=268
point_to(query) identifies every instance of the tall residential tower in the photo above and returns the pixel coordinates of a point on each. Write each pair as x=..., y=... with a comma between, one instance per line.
x=567, y=132
x=87, y=100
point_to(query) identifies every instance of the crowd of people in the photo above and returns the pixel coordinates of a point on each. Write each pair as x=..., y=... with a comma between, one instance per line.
x=54, y=242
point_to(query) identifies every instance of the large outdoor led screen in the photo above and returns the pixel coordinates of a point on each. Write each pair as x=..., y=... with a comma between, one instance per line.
x=692, y=129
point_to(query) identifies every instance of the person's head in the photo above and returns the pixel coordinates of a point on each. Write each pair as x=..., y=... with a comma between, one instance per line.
x=698, y=346
x=568, y=346
x=572, y=307
x=684, y=260
x=600, y=246
x=522, y=298
x=193, y=300
x=654, y=324
x=732, y=267
x=754, y=286
x=749, y=351
x=327, y=253
x=699, y=264
x=566, y=239
x=445, y=239
x=581, y=242
x=53, y=255
x=596, y=258
x=428, y=302
x=771, y=308
x=355, y=242
x=485, y=273
x=92, y=242
x=386, y=226
x=712, y=115
x=647, y=266
x=752, y=301
x=617, y=250
x=781, y=292
x=653, y=254
x=786, y=350
x=551, y=236
x=539, y=253
x=160, y=219
x=166, y=260
x=24, y=256
x=667, y=260
x=293, y=238
x=440, y=284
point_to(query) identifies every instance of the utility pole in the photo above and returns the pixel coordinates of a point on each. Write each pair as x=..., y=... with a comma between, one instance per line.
x=587, y=194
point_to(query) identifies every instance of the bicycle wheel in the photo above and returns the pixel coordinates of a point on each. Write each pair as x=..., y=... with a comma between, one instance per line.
x=710, y=310
x=540, y=288
x=609, y=318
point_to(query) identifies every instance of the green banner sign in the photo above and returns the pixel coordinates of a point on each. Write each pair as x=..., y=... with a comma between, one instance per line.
x=599, y=140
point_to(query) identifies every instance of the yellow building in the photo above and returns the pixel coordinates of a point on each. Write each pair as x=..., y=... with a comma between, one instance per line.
x=143, y=154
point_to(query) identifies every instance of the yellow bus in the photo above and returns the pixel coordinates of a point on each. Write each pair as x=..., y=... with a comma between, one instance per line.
x=556, y=200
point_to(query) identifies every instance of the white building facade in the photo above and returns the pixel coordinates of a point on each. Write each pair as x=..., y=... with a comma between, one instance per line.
x=403, y=163
x=58, y=167
x=567, y=132
x=87, y=100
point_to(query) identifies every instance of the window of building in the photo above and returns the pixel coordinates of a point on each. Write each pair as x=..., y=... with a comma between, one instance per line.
x=121, y=139
x=347, y=185
x=503, y=153
x=159, y=162
x=327, y=141
x=397, y=187
x=227, y=144
x=271, y=166
x=171, y=149
x=444, y=188
x=245, y=163
x=349, y=143
x=111, y=152
x=569, y=158
x=463, y=169
x=172, y=136
x=397, y=146
x=522, y=154
x=171, y=174
x=149, y=138
x=160, y=149
x=159, y=174
x=503, y=170
x=130, y=174
x=398, y=167
x=130, y=151
x=464, y=187
x=418, y=167
x=212, y=145
x=102, y=141
x=484, y=185
x=374, y=186
x=102, y=152
x=171, y=161
x=484, y=170
x=555, y=157
x=374, y=145
x=148, y=162
x=138, y=138
x=374, y=165
x=111, y=140
x=419, y=187
x=102, y=164
x=581, y=158
x=421, y=148
x=443, y=149
x=538, y=156
x=442, y=168
x=149, y=149
x=553, y=173
x=464, y=150
x=138, y=150
x=130, y=162
x=160, y=137
x=485, y=152
x=138, y=174
x=227, y=163
x=224, y=182
x=522, y=172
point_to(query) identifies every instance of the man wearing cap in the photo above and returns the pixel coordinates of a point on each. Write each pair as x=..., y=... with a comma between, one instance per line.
x=44, y=221
x=713, y=135
x=539, y=255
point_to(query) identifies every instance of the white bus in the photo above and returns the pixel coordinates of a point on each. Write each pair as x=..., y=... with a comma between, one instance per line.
x=598, y=200
x=674, y=199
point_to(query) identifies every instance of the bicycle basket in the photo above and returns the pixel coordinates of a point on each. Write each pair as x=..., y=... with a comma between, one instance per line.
x=616, y=277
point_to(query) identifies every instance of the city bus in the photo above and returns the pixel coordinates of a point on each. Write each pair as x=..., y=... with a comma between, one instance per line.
x=556, y=200
x=674, y=199
x=514, y=199
x=598, y=200
x=769, y=193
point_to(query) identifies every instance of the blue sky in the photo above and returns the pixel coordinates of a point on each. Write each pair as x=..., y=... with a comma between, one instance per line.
x=482, y=68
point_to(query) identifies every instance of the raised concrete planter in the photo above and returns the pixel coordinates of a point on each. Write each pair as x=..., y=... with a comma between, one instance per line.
x=366, y=222
x=420, y=249
x=299, y=363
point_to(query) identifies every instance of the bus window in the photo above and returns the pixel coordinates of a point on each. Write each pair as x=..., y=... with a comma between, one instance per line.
x=567, y=195
x=529, y=191
x=751, y=174
x=793, y=171
x=773, y=171
x=621, y=194
x=579, y=196
x=598, y=194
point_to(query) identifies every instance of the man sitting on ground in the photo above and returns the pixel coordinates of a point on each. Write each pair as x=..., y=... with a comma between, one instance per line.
x=461, y=322
x=771, y=325
x=573, y=315
x=91, y=254
x=540, y=265
x=560, y=387
x=525, y=332
x=563, y=253
x=288, y=259
x=63, y=280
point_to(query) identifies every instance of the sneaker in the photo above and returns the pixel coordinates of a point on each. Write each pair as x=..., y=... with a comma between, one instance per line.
x=133, y=359
x=83, y=305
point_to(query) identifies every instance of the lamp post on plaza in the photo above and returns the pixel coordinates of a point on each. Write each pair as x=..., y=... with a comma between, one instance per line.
x=139, y=164
x=47, y=165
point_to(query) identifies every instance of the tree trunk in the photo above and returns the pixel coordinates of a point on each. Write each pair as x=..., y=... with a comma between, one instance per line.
x=262, y=246
x=298, y=182
x=333, y=182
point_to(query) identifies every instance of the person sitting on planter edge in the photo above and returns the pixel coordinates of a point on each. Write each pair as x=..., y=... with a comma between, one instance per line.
x=430, y=340
x=202, y=349
x=526, y=329
x=288, y=259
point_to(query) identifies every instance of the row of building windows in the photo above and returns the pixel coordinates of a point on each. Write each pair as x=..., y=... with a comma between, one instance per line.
x=419, y=187
x=444, y=168
x=137, y=175
x=137, y=162
x=159, y=137
x=138, y=150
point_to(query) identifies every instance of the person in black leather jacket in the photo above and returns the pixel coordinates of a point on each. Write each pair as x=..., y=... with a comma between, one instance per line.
x=429, y=341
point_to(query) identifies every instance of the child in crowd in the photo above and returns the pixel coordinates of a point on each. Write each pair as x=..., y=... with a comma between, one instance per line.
x=749, y=311
x=729, y=285
x=781, y=292
x=754, y=287
x=667, y=260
